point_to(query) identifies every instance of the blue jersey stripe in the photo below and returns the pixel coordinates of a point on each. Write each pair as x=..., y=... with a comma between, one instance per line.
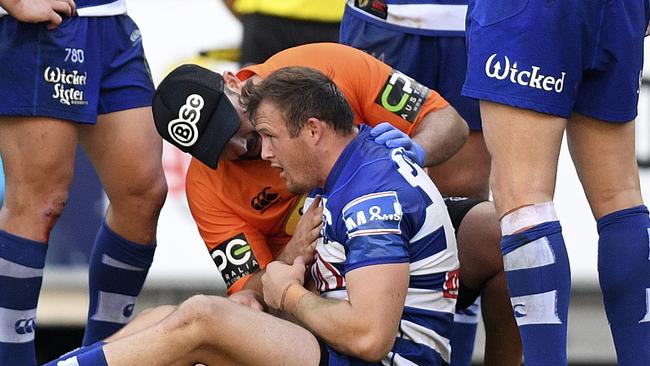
x=434, y=281
x=417, y=353
x=429, y=245
x=438, y=321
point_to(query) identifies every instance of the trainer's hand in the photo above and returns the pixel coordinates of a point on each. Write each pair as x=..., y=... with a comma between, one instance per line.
x=278, y=277
x=305, y=237
x=248, y=298
x=40, y=11
x=386, y=134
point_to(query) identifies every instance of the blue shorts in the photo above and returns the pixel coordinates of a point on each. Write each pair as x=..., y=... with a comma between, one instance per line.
x=437, y=62
x=558, y=56
x=85, y=67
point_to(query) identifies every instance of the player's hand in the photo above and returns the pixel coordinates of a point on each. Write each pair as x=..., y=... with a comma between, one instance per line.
x=248, y=298
x=278, y=277
x=386, y=134
x=305, y=237
x=40, y=11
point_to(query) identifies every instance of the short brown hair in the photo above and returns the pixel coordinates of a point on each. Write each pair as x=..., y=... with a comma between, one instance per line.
x=300, y=93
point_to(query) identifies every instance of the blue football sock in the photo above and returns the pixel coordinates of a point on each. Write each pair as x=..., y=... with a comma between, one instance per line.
x=539, y=281
x=118, y=268
x=21, y=274
x=92, y=355
x=624, y=275
x=463, y=334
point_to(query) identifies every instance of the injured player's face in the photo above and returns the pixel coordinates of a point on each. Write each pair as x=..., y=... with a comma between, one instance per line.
x=291, y=155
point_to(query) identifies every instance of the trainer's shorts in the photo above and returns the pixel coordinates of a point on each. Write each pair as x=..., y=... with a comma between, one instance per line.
x=437, y=62
x=558, y=56
x=85, y=67
x=458, y=207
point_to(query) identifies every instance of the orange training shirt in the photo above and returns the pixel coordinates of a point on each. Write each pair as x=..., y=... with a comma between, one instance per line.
x=243, y=210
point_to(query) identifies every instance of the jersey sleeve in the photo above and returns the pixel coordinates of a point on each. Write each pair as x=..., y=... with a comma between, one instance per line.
x=375, y=231
x=237, y=248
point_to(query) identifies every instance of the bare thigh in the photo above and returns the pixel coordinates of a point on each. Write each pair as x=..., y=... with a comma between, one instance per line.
x=38, y=156
x=525, y=147
x=605, y=160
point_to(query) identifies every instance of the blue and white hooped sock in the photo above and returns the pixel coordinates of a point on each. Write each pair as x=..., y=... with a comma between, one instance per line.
x=21, y=274
x=92, y=355
x=539, y=281
x=118, y=268
x=624, y=276
x=463, y=334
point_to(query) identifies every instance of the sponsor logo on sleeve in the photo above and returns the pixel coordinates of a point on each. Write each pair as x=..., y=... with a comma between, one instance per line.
x=373, y=214
x=532, y=78
x=235, y=259
x=402, y=95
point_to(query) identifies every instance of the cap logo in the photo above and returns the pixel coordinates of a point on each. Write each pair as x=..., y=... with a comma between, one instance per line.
x=183, y=130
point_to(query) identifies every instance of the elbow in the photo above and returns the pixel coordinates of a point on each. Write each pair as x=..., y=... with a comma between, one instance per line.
x=462, y=130
x=373, y=347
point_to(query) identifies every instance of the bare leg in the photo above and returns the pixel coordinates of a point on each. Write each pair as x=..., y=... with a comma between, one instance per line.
x=525, y=147
x=126, y=152
x=605, y=160
x=38, y=157
x=482, y=268
x=215, y=331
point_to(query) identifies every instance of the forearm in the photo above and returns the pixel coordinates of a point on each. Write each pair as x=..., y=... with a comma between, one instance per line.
x=337, y=323
x=441, y=134
x=254, y=282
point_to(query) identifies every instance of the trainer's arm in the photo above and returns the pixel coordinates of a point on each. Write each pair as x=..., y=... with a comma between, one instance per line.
x=365, y=326
x=441, y=134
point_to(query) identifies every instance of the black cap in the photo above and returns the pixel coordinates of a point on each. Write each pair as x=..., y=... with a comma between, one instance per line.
x=192, y=112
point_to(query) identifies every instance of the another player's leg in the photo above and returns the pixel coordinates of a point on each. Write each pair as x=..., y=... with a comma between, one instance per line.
x=605, y=160
x=126, y=152
x=212, y=330
x=38, y=157
x=482, y=271
x=525, y=147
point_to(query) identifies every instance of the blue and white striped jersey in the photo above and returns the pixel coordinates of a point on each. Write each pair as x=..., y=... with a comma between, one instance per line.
x=380, y=208
x=425, y=17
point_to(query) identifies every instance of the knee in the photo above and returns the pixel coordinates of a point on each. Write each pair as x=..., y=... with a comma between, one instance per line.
x=145, y=194
x=198, y=312
x=37, y=203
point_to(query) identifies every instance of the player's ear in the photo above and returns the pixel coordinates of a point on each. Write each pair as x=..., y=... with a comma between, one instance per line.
x=314, y=129
x=232, y=81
